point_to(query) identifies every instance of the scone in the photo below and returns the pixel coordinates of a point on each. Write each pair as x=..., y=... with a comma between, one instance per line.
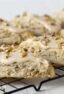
x=29, y=22
x=51, y=24
x=9, y=35
x=47, y=48
x=38, y=25
x=14, y=64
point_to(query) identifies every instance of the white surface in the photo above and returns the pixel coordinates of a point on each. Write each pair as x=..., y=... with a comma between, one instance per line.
x=9, y=8
x=53, y=87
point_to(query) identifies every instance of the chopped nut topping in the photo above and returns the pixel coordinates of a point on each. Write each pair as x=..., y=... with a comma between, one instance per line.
x=8, y=50
x=45, y=41
x=46, y=17
x=23, y=52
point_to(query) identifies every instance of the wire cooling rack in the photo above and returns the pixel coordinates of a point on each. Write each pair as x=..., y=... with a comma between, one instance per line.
x=11, y=86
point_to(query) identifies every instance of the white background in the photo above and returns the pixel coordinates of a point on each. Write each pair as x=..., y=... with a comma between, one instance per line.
x=9, y=8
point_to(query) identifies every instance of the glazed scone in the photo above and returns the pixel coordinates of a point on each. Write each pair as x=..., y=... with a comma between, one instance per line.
x=13, y=64
x=12, y=35
x=36, y=24
x=48, y=48
x=29, y=22
x=51, y=24
x=8, y=35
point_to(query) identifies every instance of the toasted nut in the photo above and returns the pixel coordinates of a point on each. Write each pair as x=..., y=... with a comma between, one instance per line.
x=23, y=52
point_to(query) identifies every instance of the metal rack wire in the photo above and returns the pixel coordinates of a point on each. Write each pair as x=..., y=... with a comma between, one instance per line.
x=13, y=87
